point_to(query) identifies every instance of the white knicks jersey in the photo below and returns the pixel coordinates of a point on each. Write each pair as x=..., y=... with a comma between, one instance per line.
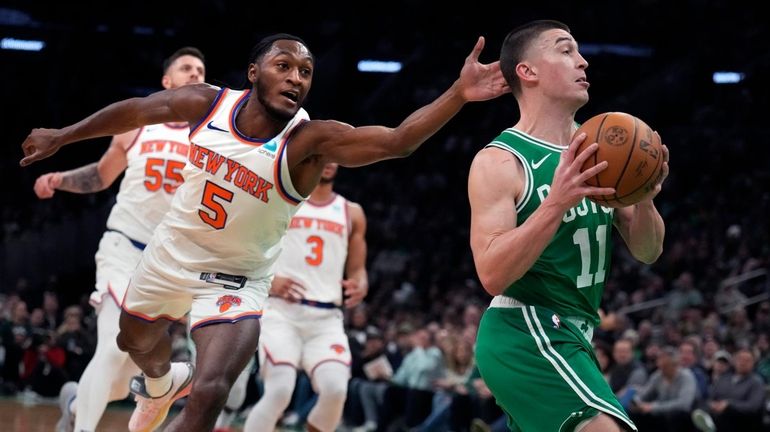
x=316, y=248
x=155, y=158
x=237, y=198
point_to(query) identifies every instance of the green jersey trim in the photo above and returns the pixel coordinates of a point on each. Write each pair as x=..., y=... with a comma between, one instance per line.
x=528, y=177
x=533, y=140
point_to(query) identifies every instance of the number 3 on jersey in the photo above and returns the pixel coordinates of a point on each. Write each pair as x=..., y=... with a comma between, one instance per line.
x=217, y=216
x=581, y=239
x=316, y=256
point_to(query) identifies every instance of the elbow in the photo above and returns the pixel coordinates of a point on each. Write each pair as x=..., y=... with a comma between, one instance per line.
x=492, y=283
x=400, y=153
x=401, y=146
x=649, y=257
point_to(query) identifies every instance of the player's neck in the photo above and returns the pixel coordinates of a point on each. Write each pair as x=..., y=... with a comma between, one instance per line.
x=322, y=194
x=546, y=122
x=253, y=121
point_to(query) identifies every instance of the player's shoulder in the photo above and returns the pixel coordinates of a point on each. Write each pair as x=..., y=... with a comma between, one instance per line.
x=491, y=156
x=495, y=163
x=354, y=208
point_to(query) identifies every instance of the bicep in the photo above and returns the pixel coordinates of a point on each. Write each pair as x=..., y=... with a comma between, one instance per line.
x=493, y=184
x=187, y=103
x=351, y=147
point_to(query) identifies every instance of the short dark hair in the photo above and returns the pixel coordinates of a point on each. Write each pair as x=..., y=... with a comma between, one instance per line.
x=191, y=51
x=515, y=45
x=266, y=43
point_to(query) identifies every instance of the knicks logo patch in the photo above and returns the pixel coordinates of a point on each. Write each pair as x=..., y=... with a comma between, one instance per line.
x=339, y=349
x=227, y=301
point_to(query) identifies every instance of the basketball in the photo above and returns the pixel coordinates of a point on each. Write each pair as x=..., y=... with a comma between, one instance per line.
x=633, y=152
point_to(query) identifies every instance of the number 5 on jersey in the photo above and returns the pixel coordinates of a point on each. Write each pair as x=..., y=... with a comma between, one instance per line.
x=213, y=194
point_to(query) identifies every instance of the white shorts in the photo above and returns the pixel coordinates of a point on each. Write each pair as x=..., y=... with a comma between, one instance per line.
x=161, y=288
x=116, y=260
x=302, y=336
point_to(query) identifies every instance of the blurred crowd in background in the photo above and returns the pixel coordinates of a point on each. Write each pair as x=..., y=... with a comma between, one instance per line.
x=699, y=316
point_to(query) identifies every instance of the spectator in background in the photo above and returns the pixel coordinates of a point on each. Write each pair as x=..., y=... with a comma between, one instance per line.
x=627, y=374
x=763, y=354
x=710, y=348
x=737, y=399
x=51, y=310
x=17, y=337
x=739, y=329
x=722, y=361
x=44, y=367
x=689, y=357
x=665, y=402
x=76, y=342
x=603, y=354
x=683, y=296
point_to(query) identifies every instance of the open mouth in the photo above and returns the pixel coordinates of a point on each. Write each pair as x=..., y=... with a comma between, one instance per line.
x=292, y=95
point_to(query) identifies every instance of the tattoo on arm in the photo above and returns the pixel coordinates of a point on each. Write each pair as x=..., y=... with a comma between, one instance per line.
x=85, y=179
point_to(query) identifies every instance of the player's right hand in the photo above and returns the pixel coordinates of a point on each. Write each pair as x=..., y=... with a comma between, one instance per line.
x=40, y=144
x=569, y=185
x=287, y=289
x=46, y=184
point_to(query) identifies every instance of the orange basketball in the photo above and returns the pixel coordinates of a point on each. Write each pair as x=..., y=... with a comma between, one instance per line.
x=633, y=153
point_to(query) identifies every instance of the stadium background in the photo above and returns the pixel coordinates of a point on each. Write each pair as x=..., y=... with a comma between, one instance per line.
x=652, y=58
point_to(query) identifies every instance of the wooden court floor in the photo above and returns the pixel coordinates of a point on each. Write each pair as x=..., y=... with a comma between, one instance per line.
x=41, y=416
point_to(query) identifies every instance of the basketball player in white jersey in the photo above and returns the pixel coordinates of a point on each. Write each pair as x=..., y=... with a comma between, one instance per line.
x=152, y=158
x=252, y=161
x=324, y=254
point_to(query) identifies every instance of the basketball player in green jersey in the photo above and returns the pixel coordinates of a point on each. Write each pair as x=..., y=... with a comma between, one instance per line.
x=543, y=249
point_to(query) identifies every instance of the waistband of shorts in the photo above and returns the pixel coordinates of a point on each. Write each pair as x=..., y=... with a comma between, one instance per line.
x=502, y=301
x=319, y=304
x=582, y=324
x=137, y=244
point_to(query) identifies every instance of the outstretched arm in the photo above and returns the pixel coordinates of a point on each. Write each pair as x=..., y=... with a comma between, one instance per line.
x=93, y=177
x=503, y=250
x=356, y=283
x=349, y=146
x=187, y=103
x=641, y=226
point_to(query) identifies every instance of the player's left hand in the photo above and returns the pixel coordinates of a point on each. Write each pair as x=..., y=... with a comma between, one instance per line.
x=354, y=293
x=479, y=81
x=655, y=190
x=40, y=144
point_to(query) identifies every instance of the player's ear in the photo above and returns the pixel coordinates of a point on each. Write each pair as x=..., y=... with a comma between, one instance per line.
x=166, y=81
x=253, y=73
x=526, y=72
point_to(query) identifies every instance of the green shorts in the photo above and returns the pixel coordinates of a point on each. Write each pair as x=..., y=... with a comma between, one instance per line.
x=542, y=371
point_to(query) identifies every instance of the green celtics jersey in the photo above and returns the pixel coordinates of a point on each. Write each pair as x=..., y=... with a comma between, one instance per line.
x=569, y=275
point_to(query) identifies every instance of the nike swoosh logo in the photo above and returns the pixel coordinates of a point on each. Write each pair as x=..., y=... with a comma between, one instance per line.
x=211, y=126
x=536, y=165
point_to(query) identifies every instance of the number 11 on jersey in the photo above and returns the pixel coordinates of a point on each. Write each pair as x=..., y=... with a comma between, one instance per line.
x=582, y=240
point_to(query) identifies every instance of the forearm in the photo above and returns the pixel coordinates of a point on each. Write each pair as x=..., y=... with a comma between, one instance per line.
x=646, y=232
x=513, y=253
x=85, y=179
x=113, y=119
x=361, y=277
